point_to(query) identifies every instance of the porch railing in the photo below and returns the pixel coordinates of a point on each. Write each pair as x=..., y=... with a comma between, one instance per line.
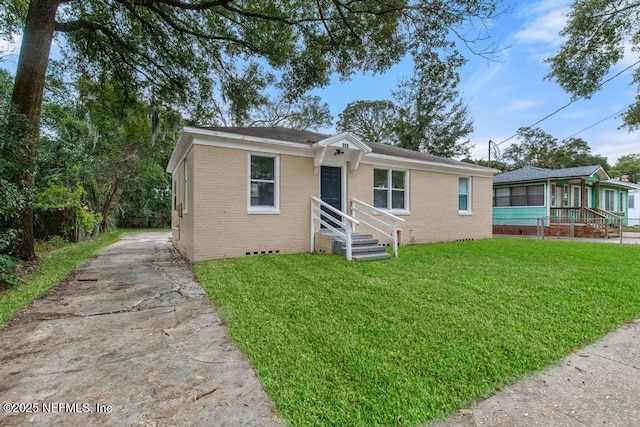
x=594, y=217
x=377, y=220
x=342, y=225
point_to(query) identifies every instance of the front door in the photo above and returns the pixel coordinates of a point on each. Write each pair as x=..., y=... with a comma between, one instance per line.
x=331, y=189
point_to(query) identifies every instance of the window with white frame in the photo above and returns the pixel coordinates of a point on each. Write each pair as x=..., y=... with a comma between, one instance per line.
x=464, y=195
x=185, y=195
x=575, y=196
x=390, y=189
x=632, y=201
x=263, y=183
x=609, y=200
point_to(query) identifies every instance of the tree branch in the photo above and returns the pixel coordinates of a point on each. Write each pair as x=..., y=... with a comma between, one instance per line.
x=81, y=24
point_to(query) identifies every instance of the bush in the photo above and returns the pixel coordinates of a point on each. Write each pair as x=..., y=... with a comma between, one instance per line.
x=8, y=273
x=61, y=210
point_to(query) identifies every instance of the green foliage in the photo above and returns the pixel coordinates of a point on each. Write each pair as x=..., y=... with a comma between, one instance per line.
x=305, y=112
x=374, y=121
x=433, y=117
x=76, y=221
x=628, y=165
x=116, y=146
x=8, y=274
x=595, y=38
x=538, y=148
x=12, y=165
x=416, y=338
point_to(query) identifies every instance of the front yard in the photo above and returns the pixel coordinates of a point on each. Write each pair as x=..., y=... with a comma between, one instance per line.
x=408, y=341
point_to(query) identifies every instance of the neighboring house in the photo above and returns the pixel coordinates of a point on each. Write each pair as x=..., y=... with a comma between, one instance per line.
x=633, y=205
x=580, y=201
x=251, y=191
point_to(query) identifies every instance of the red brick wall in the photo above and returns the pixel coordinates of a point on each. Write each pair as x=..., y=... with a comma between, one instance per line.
x=552, y=230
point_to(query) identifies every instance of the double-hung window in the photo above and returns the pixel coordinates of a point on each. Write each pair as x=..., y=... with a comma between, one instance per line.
x=263, y=184
x=609, y=200
x=390, y=189
x=464, y=195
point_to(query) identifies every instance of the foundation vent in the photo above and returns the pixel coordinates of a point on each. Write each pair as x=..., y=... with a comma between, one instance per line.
x=271, y=252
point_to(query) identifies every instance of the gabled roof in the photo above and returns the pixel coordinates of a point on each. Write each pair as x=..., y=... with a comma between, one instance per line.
x=307, y=138
x=532, y=173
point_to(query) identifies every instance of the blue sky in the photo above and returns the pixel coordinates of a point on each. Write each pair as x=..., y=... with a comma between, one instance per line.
x=511, y=92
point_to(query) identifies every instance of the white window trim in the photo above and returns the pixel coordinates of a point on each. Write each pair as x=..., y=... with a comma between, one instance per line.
x=573, y=202
x=265, y=210
x=615, y=196
x=185, y=196
x=405, y=210
x=469, y=210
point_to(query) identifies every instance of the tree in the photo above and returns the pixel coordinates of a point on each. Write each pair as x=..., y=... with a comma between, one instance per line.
x=541, y=149
x=184, y=49
x=596, y=34
x=108, y=143
x=433, y=117
x=370, y=120
x=628, y=165
x=306, y=113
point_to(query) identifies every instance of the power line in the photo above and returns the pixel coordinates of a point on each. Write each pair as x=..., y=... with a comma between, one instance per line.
x=597, y=123
x=573, y=101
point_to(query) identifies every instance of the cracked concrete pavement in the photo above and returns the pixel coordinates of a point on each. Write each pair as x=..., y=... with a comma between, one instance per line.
x=129, y=340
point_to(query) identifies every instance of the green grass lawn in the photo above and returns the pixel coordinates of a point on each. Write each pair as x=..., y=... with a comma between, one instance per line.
x=58, y=261
x=411, y=340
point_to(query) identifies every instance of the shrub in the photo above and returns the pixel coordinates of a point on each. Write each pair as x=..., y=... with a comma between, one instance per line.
x=8, y=273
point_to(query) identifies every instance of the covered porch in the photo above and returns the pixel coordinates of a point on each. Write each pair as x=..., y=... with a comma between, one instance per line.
x=584, y=208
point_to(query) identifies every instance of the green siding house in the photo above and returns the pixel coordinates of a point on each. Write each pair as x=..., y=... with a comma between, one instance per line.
x=580, y=202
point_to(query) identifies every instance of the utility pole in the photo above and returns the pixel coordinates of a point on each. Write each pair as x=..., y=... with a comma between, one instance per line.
x=489, y=161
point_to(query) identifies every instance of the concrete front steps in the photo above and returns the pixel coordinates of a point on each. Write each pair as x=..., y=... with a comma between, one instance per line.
x=364, y=248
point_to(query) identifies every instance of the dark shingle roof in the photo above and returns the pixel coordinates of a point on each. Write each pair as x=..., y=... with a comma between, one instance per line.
x=532, y=173
x=307, y=137
x=277, y=133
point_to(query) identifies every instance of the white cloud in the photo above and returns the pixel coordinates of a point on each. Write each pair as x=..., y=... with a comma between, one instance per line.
x=520, y=105
x=543, y=25
x=615, y=143
x=631, y=56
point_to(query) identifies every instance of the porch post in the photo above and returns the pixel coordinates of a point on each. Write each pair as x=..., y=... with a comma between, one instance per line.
x=583, y=193
x=597, y=190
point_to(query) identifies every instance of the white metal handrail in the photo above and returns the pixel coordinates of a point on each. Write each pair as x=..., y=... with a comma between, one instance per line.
x=347, y=223
x=388, y=229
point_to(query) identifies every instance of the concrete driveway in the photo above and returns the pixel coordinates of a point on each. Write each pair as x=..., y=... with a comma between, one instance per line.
x=129, y=340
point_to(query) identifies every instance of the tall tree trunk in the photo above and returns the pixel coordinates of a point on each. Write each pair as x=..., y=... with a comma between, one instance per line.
x=27, y=96
x=108, y=203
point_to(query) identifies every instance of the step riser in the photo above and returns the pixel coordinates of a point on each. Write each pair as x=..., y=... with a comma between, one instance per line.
x=366, y=250
x=363, y=248
x=371, y=257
